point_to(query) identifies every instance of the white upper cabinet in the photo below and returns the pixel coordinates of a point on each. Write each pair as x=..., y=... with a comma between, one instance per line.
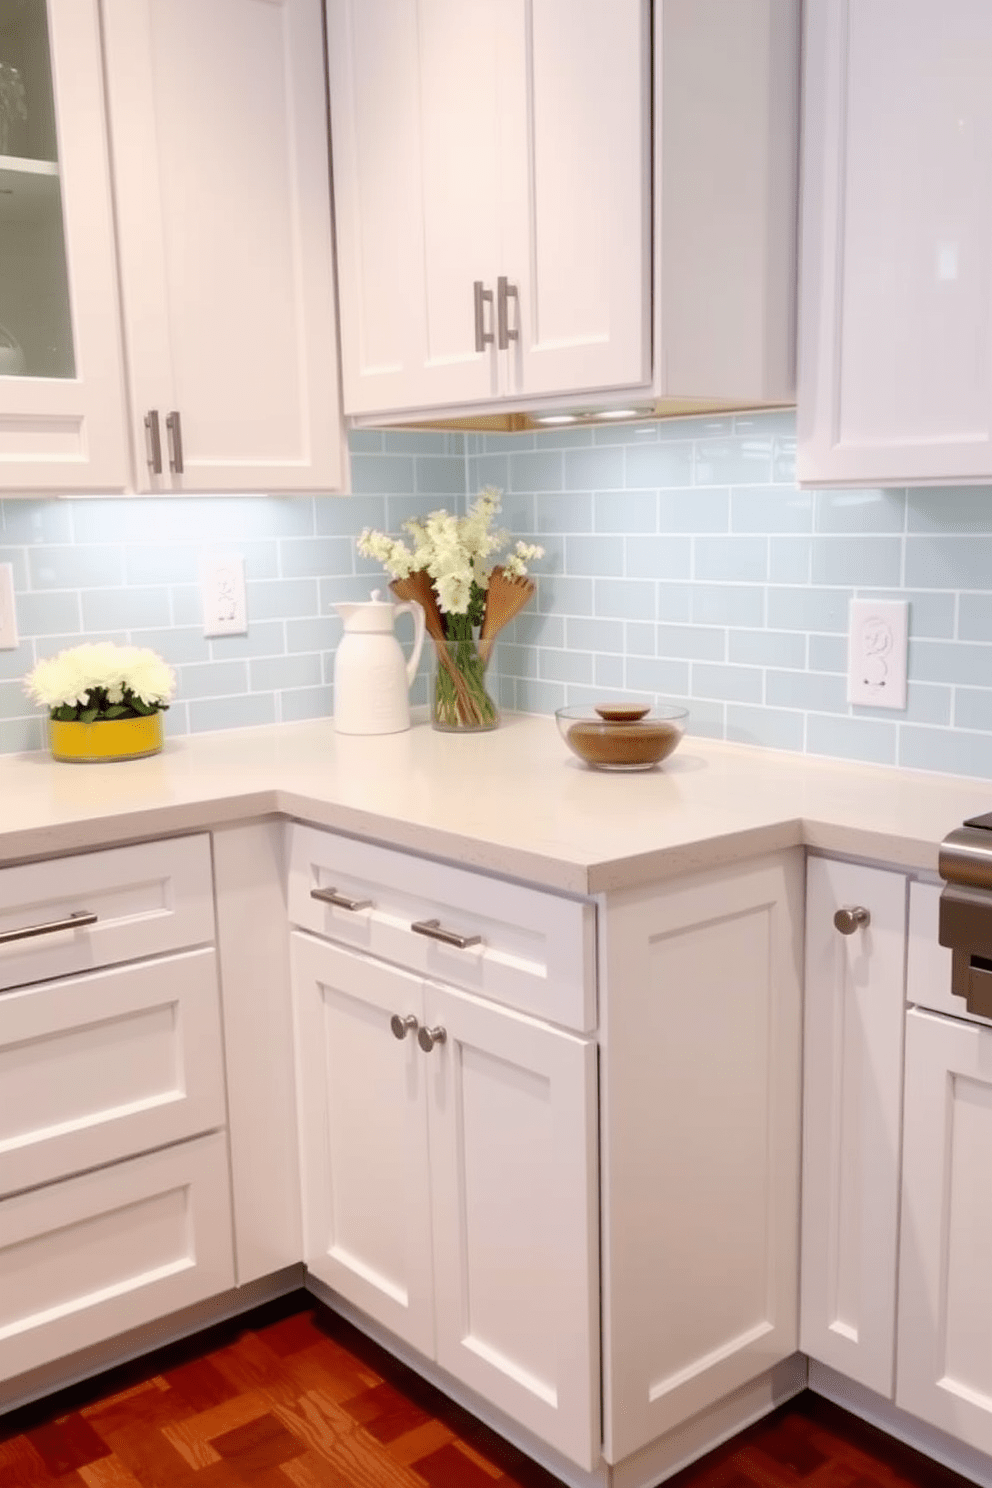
x=492, y=198
x=62, y=424
x=726, y=167
x=219, y=145
x=895, y=379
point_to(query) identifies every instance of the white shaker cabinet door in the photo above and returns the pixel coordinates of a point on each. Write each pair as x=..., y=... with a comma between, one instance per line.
x=895, y=378
x=492, y=198
x=417, y=90
x=851, y=1119
x=576, y=187
x=219, y=144
x=700, y=1122
x=512, y=1107
x=363, y=1135
x=944, y=1371
x=62, y=421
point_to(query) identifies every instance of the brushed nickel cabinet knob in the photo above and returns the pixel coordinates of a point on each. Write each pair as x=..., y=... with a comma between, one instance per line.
x=852, y=917
x=428, y=1037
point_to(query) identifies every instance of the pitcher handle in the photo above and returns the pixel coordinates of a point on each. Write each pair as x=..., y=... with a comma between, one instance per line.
x=412, y=607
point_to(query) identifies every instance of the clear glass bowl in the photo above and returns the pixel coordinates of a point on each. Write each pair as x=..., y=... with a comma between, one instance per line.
x=618, y=736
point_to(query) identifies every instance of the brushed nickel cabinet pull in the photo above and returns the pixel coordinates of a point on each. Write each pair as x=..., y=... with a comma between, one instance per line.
x=402, y=1026
x=174, y=429
x=74, y=921
x=428, y=1037
x=153, y=442
x=506, y=291
x=434, y=931
x=340, y=901
x=852, y=918
x=482, y=295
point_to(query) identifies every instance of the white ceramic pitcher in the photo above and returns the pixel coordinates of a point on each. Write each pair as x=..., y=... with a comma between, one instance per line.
x=372, y=677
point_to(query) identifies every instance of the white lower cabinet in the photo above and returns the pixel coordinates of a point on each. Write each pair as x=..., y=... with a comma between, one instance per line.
x=95, y=1255
x=944, y=1371
x=700, y=1109
x=852, y=1104
x=115, y=1205
x=450, y=1190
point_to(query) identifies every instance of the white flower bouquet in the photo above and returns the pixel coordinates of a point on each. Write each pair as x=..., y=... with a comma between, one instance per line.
x=95, y=682
x=450, y=568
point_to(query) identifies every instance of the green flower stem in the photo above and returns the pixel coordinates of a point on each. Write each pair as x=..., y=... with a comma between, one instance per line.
x=460, y=696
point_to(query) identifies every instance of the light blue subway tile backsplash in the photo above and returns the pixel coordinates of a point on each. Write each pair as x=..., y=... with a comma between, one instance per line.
x=857, y=560
x=665, y=558
x=682, y=564
x=860, y=511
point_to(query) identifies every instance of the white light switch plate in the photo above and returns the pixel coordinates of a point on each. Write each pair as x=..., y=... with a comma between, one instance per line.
x=8, y=612
x=878, y=647
x=222, y=586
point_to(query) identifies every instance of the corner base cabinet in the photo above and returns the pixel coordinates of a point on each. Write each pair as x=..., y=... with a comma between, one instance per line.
x=701, y=1066
x=447, y=1116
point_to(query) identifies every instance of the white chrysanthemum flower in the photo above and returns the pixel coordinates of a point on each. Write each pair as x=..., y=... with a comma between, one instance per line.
x=70, y=679
x=149, y=678
x=515, y=564
x=458, y=553
x=394, y=555
x=454, y=591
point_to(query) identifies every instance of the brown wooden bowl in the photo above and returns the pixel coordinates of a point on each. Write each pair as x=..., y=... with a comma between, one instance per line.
x=622, y=737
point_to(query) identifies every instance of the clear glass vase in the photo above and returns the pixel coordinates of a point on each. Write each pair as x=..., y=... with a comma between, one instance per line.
x=461, y=703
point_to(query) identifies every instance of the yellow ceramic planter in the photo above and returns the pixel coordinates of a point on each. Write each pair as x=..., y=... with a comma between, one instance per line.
x=111, y=739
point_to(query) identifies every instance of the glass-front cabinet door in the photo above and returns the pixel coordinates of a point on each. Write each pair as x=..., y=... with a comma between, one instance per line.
x=61, y=387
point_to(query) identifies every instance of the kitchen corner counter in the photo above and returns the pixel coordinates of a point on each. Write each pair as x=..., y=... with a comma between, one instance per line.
x=512, y=802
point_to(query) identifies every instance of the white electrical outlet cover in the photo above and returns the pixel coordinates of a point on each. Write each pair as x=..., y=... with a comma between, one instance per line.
x=8, y=613
x=877, y=653
x=222, y=586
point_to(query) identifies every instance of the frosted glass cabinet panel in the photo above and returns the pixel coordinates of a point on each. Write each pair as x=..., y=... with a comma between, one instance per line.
x=35, y=330
x=61, y=388
x=895, y=332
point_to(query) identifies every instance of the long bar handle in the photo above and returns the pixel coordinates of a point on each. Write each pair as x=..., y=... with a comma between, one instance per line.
x=482, y=295
x=174, y=428
x=75, y=921
x=340, y=901
x=153, y=442
x=434, y=930
x=506, y=291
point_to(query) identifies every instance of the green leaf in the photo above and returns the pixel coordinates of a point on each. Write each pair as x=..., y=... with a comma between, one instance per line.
x=117, y=710
x=88, y=715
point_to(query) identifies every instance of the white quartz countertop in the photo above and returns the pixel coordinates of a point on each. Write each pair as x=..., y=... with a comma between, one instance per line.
x=513, y=801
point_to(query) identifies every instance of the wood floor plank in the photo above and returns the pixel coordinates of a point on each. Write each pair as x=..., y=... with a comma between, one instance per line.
x=108, y=1472
x=296, y=1398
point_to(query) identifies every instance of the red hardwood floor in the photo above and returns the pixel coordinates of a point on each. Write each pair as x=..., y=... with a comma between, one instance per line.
x=297, y=1397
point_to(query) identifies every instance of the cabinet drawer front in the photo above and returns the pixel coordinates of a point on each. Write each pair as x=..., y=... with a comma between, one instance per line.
x=149, y=898
x=536, y=951
x=91, y=1257
x=98, y=1067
